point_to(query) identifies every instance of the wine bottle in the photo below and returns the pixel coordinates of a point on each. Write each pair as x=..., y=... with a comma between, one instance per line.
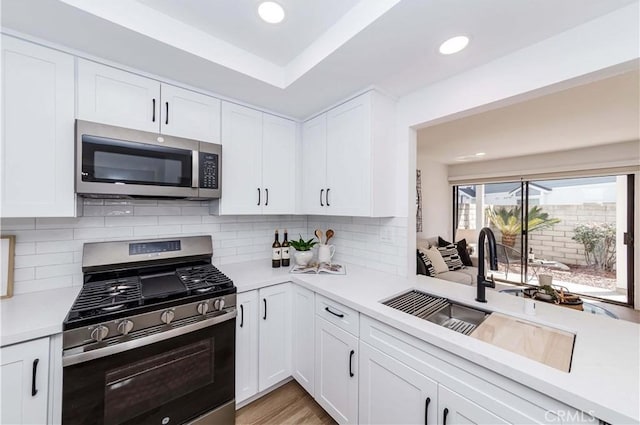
x=531, y=255
x=285, y=250
x=276, y=252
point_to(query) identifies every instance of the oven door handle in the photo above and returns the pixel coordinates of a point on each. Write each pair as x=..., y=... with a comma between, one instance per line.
x=72, y=359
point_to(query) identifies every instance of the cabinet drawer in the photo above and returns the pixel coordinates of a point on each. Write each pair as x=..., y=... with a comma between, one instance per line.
x=338, y=314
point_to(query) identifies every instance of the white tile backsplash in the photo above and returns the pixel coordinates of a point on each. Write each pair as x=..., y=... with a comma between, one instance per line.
x=49, y=250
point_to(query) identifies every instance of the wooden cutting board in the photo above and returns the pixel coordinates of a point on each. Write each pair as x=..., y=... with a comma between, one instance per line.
x=543, y=344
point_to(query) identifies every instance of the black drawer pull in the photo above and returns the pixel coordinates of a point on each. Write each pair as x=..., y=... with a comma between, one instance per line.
x=327, y=197
x=265, y=309
x=445, y=412
x=153, y=118
x=321, y=193
x=351, y=363
x=241, y=315
x=267, y=201
x=166, y=118
x=334, y=313
x=426, y=409
x=258, y=196
x=34, y=390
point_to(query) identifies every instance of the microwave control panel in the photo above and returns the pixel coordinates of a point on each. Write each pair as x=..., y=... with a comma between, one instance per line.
x=209, y=170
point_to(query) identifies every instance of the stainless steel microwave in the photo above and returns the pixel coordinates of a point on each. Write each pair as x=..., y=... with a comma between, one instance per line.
x=121, y=162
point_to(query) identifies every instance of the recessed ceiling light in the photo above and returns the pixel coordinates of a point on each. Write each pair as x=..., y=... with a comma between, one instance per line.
x=454, y=45
x=480, y=154
x=271, y=12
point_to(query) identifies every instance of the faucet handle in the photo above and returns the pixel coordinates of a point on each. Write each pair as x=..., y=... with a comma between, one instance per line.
x=493, y=282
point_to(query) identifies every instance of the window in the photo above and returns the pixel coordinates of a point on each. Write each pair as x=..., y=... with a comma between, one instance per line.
x=574, y=229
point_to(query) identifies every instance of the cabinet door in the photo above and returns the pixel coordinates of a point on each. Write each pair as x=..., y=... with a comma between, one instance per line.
x=278, y=164
x=25, y=374
x=241, y=160
x=247, y=345
x=188, y=114
x=112, y=96
x=303, y=343
x=314, y=165
x=275, y=335
x=392, y=393
x=349, y=158
x=454, y=409
x=336, y=377
x=37, y=167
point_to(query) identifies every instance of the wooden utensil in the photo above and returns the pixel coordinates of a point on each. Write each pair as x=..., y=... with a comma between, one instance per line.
x=318, y=234
x=329, y=235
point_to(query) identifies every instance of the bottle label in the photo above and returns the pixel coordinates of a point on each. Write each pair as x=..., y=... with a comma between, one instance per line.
x=276, y=254
x=285, y=253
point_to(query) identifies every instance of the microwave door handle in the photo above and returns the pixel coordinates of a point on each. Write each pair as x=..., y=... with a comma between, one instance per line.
x=195, y=183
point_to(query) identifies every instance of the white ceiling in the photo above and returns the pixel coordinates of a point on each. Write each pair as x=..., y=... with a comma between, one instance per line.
x=317, y=58
x=606, y=111
x=237, y=22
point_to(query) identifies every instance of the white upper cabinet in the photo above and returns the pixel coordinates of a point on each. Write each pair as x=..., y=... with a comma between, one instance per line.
x=112, y=96
x=278, y=164
x=189, y=114
x=348, y=159
x=314, y=165
x=37, y=165
x=258, y=174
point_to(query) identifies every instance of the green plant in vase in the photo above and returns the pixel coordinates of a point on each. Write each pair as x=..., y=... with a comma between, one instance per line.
x=303, y=250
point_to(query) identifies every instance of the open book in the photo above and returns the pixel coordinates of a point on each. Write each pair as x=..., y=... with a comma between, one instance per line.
x=319, y=268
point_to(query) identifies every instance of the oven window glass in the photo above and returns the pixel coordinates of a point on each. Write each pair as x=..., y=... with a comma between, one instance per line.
x=114, y=161
x=152, y=382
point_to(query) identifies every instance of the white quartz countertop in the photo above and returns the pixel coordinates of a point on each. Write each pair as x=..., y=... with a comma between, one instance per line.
x=605, y=372
x=34, y=315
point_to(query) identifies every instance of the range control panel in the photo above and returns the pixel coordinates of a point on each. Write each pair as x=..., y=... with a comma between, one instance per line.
x=153, y=247
x=209, y=170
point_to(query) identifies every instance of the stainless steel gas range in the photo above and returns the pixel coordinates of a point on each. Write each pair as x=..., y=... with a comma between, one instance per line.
x=151, y=336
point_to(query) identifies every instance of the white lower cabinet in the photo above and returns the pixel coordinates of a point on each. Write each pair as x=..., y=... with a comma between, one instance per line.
x=246, y=345
x=336, y=377
x=303, y=339
x=263, y=339
x=456, y=409
x=25, y=375
x=393, y=393
x=274, y=335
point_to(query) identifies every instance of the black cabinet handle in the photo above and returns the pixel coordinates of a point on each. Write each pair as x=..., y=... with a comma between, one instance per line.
x=241, y=315
x=426, y=409
x=445, y=412
x=34, y=390
x=265, y=309
x=327, y=198
x=267, y=201
x=153, y=118
x=334, y=313
x=166, y=118
x=258, y=196
x=321, y=193
x=351, y=363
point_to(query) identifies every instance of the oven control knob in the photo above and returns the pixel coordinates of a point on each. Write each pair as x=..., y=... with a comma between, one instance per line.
x=203, y=308
x=125, y=327
x=99, y=333
x=167, y=316
x=218, y=304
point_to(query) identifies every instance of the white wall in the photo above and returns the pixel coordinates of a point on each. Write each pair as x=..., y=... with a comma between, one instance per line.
x=436, y=197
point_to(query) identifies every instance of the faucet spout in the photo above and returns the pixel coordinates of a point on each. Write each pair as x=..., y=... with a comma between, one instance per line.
x=482, y=282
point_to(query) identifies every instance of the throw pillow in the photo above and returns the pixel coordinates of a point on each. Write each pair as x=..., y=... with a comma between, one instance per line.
x=461, y=246
x=451, y=257
x=436, y=260
x=429, y=269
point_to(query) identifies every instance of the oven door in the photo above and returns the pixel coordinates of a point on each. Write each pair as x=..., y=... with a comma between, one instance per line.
x=119, y=161
x=169, y=382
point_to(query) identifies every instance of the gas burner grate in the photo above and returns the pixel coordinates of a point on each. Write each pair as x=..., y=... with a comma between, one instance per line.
x=203, y=278
x=108, y=295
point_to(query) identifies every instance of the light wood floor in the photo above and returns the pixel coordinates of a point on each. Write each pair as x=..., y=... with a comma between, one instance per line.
x=289, y=404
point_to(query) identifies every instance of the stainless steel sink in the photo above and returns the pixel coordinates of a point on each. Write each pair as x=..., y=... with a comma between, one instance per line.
x=458, y=317
x=439, y=310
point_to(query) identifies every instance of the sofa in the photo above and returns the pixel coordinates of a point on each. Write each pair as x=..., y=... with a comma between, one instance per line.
x=467, y=275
